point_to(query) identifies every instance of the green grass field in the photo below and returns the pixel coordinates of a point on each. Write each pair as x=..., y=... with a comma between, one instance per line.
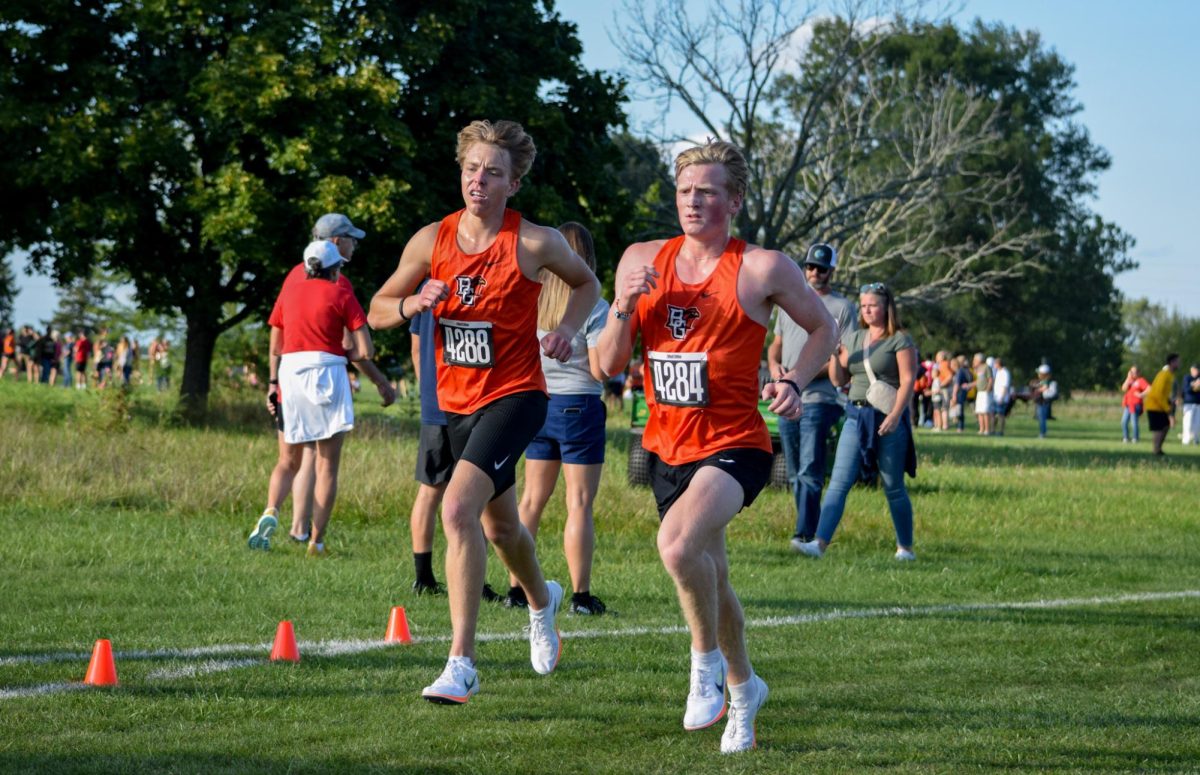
x=1050, y=623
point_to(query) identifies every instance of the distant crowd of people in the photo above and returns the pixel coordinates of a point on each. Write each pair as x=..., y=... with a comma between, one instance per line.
x=948, y=388
x=1158, y=400
x=83, y=359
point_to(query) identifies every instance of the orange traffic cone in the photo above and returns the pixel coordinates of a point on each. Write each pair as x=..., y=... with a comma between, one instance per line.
x=101, y=670
x=397, y=631
x=285, y=644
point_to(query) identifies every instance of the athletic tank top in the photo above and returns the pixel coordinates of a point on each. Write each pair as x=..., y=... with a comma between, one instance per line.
x=486, y=334
x=702, y=354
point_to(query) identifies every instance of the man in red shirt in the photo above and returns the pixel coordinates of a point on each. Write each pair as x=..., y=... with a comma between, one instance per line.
x=702, y=304
x=483, y=262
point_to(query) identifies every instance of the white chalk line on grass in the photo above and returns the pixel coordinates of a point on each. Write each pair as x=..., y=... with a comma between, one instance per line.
x=329, y=648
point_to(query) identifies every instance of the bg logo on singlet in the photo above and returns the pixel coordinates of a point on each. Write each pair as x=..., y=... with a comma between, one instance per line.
x=467, y=287
x=679, y=320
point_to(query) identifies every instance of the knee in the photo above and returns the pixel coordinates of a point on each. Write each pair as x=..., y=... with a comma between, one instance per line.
x=457, y=518
x=674, y=555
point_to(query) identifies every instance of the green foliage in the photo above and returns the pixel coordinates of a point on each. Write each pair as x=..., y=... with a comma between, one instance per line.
x=8, y=294
x=192, y=146
x=1068, y=311
x=1154, y=333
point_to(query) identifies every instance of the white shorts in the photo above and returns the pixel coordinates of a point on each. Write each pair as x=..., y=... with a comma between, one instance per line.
x=983, y=403
x=315, y=396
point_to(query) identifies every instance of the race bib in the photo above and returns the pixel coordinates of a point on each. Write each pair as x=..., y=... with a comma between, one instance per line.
x=679, y=379
x=467, y=343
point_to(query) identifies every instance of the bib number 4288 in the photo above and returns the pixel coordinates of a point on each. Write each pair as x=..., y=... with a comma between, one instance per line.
x=679, y=379
x=467, y=343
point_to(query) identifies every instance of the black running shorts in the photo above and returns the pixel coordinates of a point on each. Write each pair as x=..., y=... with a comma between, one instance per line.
x=434, y=459
x=495, y=437
x=750, y=467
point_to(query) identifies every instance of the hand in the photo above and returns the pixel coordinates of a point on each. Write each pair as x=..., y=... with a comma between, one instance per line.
x=638, y=282
x=387, y=393
x=889, y=424
x=557, y=346
x=272, y=398
x=433, y=293
x=785, y=401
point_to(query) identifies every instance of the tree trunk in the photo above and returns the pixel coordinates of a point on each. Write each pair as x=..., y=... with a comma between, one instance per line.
x=202, y=332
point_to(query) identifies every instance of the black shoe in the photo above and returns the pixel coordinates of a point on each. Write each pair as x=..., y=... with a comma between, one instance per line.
x=587, y=604
x=490, y=595
x=428, y=588
x=516, y=598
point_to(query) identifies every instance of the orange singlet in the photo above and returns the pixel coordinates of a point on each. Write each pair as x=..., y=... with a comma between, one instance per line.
x=487, y=345
x=702, y=354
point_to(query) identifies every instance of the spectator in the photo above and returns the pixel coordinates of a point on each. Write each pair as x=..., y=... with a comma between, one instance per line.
x=1134, y=389
x=805, y=439
x=1043, y=391
x=983, y=394
x=162, y=364
x=26, y=359
x=46, y=352
x=123, y=359
x=878, y=429
x=943, y=384
x=1002, y=396
x=8, y=356
x=83, y=351
x=960, y=386
x=1160, y=402
x=1190, y=390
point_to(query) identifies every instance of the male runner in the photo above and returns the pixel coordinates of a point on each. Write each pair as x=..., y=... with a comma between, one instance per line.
x=702, y=302
x=483, y=263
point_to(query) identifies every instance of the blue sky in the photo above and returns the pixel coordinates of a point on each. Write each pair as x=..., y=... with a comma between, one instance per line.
x=1136, y=66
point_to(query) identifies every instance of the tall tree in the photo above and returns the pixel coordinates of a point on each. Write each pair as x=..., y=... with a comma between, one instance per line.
x=840, y=147
x=190, y=146
x=8, y=293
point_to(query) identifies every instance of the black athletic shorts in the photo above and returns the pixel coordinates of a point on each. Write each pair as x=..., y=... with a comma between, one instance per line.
x=434, y=460
x=750, y=467
x=495, y=437
x=1159, y=421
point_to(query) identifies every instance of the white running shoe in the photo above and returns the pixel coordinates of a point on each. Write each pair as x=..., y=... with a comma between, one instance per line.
x=739, y=730
x=809, y=548
x=905, y=555
x=706, y=697
x=457, y=683
x=545, y=642
x=261, y=537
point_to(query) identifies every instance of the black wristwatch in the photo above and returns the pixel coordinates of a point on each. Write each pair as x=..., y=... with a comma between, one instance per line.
x=618, y=314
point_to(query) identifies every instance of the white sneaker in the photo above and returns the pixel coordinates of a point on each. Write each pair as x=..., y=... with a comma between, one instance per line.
x=457, y=683
x=810, y=548
x=545, y=643
x=261, y=537
x=739, y=730
x=706, y=697
x=905, y=555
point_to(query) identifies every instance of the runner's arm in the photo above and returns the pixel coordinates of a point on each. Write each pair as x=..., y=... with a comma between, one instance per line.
x=392, y=305
x=635, y=277
x=556, y=256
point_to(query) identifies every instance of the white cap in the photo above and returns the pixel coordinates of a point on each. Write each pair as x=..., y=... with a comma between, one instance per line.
x=321, y=254
x=1044, y=368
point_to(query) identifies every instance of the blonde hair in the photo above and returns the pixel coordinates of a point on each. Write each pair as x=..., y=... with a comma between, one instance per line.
x=893, y=314
x=508, y=135
x=718, y=152
x=552, y=302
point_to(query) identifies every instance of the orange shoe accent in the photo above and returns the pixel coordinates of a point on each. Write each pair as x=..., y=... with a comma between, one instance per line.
x=101, y=670
x=285, y=649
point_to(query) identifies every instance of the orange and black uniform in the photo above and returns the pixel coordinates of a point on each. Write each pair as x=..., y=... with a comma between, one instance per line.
x=489, y=369
x=702, y=353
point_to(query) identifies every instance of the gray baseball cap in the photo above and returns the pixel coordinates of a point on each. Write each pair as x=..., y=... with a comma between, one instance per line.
x=821, y=254
x=336, y=225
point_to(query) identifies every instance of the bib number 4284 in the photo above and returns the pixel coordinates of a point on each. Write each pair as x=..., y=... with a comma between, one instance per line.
x=679, y=379
x=467, y=343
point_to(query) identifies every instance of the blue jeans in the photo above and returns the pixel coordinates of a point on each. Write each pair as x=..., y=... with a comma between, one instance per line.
x=1128, y=418
x=804, y=443
x=1042, y=411
x=890, y=451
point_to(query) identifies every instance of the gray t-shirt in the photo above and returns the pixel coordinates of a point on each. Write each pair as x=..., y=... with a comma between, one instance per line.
x=574, y=378
x=883, y=360
x=820, y=390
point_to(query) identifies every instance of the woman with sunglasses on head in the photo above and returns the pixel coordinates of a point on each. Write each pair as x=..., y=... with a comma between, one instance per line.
x=878, y=427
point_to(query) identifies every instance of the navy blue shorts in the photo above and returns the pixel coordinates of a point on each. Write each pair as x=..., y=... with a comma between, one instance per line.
x=573, y=431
